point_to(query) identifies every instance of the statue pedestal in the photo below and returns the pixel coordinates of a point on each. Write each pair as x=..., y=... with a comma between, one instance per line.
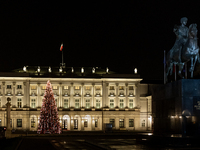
x=176, y=107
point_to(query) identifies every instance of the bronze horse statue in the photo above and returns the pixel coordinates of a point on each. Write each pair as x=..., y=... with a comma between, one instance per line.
x=190, y=51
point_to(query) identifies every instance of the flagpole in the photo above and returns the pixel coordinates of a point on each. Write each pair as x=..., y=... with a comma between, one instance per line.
x=62, y=58
x=164, y=68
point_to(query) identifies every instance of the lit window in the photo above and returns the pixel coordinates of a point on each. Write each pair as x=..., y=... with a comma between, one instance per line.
x=121, y=123
x=130, y=87
x=85, y=123
x=121, y=88
x=87, y=87
x=66, y=103
x=87, y=103
x=112, y=88
x=19, y=103
x=33, y=87
x=19, y=122
x=143, y=123
x=19, y=86
x=76, y=103
x=33, y=103
x=96, y=123
x=43, y=87
x=66, y=87
x=112, y=121
x=55, y=87
x=77, y=87
x=121, y=104
x=32, y=123
x=8, y=86
x=98, y=103
x=130, y=103
x=111, y=103
x=98, y=87
x=131, y=122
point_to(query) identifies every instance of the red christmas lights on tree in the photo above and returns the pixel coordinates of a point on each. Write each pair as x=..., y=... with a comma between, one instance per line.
x=49, y=121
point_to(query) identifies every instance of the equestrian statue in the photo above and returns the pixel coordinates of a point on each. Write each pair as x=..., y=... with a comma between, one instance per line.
x=185, y=48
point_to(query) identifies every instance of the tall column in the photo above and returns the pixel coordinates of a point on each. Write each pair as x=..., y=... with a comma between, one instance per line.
x=14, y=95
x=3, y=92
x=38, y=94
x=24, y=101
x=82, y=94
x=60, y=95
x=103, y=94
x=71, y=103
x=27, y=93
x=93, y=95
x=106, y=99
x=8, y=130
x=126, y=100
x=117, y=91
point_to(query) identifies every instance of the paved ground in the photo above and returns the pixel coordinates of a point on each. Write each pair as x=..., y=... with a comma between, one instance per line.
x=90, y=140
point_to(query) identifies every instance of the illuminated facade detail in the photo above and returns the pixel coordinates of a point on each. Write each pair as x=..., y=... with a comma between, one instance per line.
x=80, y=102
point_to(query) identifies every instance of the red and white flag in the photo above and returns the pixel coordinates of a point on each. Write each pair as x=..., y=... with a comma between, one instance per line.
x=61, y=47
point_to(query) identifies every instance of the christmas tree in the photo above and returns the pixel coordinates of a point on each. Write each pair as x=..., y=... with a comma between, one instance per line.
x=49, y=121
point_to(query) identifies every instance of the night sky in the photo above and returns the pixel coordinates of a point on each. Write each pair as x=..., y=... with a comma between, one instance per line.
x=119, y=35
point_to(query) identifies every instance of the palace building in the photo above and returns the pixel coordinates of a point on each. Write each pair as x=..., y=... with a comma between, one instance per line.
x=86, y=98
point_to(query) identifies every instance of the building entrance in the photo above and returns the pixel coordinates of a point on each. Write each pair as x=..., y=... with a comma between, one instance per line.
x=65, y=124
x=75, y=123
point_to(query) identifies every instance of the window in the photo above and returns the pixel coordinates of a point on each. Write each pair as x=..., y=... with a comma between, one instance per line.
x=121, y=88
x=130, y=87
x=143, y=123
x=98, y=103
x=121, y=123
x=112, y=88
x=111, y=103
x=19, y=103
x=131, y=122
x=43, y=87
x=55, y=87
x=33, y=87
x=87, y=87
x=76, y=103
x=130, y=103
x=121, y=103
x=19, y=122
x=87, y=103
x=96, y=123
x=77, y=87
x=66, y=103
x=32, y=123
x=112, y=121
x=0, y=123
x=98, y=87
x=11, y=123
x=85, y=123
x=33, y=103
x=65, y=87
x=8, y=86
x=19, y=86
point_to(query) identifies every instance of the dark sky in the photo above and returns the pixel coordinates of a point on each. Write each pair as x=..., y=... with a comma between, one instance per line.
x=110, y=34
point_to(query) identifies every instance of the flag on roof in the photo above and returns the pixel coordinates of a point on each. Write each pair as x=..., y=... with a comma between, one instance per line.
x=61, y=47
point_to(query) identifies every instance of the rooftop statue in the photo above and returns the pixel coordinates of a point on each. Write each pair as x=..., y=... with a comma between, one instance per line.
x=185, y=48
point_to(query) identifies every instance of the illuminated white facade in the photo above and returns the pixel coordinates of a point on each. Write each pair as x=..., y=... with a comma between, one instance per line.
x=83, y=103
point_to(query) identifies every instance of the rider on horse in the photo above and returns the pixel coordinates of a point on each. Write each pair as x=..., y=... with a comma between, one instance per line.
x=181, y=37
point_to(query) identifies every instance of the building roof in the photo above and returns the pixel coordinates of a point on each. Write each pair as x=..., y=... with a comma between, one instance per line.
x=66, y=72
